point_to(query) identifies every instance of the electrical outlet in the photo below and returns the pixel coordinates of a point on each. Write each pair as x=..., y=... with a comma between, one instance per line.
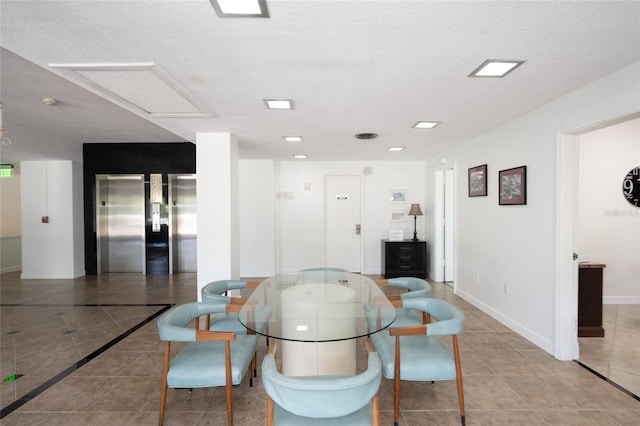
x=478, y=278
x=506, y=289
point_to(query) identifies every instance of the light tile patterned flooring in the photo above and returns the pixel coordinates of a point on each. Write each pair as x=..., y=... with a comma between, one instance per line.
x=89, y=353
x=617, y=354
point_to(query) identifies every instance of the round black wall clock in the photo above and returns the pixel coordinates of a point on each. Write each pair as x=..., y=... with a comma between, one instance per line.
x=631, y=186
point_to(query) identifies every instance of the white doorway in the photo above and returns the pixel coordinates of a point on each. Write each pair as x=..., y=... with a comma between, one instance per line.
x=444, y=226
x=566, y=341
x=342, y=223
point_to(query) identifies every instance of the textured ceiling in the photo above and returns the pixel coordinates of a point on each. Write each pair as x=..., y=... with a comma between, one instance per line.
x=349, y=66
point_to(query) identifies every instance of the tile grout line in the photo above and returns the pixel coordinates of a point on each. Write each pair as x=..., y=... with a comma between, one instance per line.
x=93, y=305
x=5, y=411
x=606, y=379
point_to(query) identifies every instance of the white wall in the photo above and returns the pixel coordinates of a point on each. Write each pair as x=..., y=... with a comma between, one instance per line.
x=39, y=145
x=257, y=218
x=10, y=232
x=28, y=143
x=10, y=204
x=300, y=220
x=609, y=227
x=55, y=249
x=516, y=245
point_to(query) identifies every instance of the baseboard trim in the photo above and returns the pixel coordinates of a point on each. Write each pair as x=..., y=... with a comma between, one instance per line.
x=528, y=334
x=621, y=300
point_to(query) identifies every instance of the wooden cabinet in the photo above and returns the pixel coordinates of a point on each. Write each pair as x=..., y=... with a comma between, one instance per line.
x=405, y=258
x=590, y=300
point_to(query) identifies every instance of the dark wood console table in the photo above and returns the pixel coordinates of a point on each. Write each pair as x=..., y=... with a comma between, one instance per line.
x=590, y=299
x=405, y=258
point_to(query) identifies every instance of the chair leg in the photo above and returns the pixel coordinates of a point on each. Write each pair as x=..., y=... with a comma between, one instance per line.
x=375, y=415
x=229, y=404
x=396, y=384
x=229, y=384
x=456, y=354
x=255, y=365
x=396, y=401
x=163, y=385
x=269, y=420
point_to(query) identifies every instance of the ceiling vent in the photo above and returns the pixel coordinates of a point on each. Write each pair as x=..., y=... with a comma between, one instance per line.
x=366, y=135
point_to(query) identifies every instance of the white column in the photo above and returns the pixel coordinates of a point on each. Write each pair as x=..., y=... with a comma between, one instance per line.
x=217, y=207
x=52, y=219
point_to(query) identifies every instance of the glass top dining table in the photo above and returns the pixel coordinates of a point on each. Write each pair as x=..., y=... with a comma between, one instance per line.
x=317, y=306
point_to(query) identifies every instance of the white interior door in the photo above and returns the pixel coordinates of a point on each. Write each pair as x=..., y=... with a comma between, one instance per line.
x=342, y=222
x=448, y=225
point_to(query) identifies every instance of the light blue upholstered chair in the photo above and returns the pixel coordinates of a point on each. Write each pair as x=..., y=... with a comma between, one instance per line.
x=414, y=353
x=325, y=274
x=321, y=400
x=323, y=269
x=416, y=287
x=216, y=292
x=210, y=359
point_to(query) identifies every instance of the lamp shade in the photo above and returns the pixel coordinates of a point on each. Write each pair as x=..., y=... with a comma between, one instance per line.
x=415, y=210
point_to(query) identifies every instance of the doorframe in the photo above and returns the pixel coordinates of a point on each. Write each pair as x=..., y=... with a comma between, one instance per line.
x=324, y=219
x=567, y=150
x=438, y=215
x=566, y=327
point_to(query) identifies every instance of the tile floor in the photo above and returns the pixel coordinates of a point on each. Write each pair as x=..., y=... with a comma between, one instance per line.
x=89, y=354
x=617, y=354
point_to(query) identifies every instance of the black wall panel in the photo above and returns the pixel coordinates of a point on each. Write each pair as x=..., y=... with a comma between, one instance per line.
x=129, y=158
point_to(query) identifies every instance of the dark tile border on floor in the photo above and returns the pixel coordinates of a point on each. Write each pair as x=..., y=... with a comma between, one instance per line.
x=5, y=411
x=611, y=382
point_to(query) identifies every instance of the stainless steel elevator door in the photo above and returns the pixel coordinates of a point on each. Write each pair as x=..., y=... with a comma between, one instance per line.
x=182, y=224
x=120, y=223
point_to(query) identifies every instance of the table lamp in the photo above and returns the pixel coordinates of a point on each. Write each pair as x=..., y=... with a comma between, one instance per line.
x=415, y=212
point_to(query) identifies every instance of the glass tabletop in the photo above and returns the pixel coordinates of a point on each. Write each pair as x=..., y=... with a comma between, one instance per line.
x=317, y=306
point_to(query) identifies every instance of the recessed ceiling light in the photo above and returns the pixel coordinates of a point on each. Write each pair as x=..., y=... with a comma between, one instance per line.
x=425, y=124
x=366, y=135
x=300, y=156
x=240, y=8
x=395, y=148
x=278, y=103
x=293, y=138
x=495, y=68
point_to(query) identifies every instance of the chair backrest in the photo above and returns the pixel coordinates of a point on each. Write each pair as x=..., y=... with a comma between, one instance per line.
x=321, y=397
x=324, y=269
x=417, y=287
x=173, y=324
x=449, y=319
x=215, y=290
x=323, y=274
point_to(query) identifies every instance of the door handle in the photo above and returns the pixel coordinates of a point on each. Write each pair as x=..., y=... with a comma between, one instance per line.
x=357, y=229
x=575, y=256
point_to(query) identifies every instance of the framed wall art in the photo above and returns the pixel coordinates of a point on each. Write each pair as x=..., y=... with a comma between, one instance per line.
x=398, y=196
x=397, y=216
x=512, y=186
x=396, y=235
x=478, y=181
